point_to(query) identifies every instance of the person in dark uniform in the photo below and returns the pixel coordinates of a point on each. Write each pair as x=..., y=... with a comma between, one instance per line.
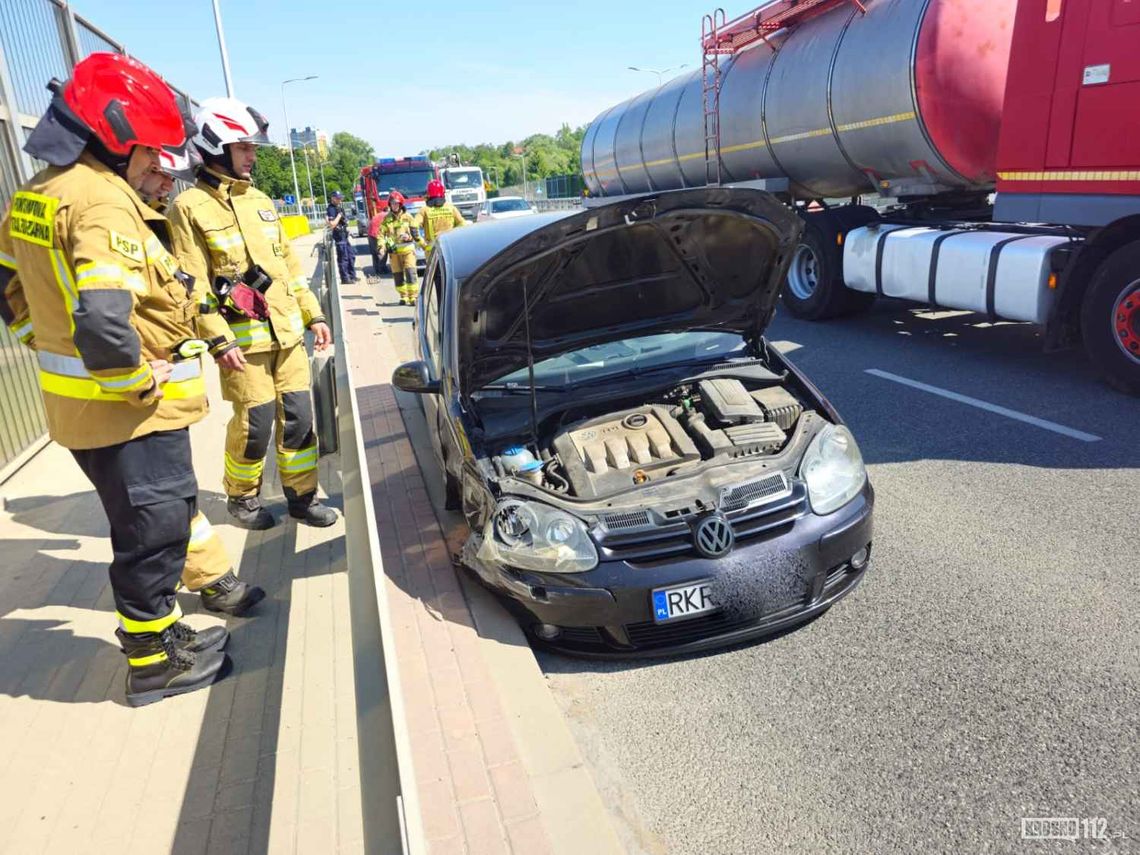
x=345, y=253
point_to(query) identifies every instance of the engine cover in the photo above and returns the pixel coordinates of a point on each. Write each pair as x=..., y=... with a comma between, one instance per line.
x=603, y=455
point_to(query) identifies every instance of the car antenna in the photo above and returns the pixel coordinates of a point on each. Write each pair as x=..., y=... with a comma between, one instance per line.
x=530, y=365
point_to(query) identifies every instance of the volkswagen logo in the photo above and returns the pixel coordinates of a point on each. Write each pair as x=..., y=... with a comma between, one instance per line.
x=713, y=537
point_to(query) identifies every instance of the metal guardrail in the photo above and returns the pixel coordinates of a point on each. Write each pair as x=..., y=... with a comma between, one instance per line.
x=570, y=203
x=39, y=40
x=392, y=819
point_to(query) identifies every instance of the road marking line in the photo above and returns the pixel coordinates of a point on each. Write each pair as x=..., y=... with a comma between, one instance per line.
x=984, y=405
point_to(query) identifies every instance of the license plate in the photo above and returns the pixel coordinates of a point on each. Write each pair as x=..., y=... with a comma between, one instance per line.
x=682, y=601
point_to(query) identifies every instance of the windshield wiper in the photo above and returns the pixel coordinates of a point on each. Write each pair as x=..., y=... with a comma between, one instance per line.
x=518, y=389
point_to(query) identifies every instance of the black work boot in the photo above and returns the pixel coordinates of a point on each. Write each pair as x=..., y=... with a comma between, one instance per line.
x=248, y=513
x=203, y=641
x=231, y=595
x=309, y=510
x=160, y=668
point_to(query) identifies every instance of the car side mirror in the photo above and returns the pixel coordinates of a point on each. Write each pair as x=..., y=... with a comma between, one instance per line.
x=415, y=377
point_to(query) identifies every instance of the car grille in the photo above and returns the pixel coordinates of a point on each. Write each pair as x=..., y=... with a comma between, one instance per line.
x=634, y=537
x=464, y=197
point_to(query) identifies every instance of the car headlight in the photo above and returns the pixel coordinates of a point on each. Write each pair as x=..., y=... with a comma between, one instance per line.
x=537, y=537
x=833, y=469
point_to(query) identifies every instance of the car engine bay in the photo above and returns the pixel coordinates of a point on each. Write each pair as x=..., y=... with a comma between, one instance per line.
x=706, y=422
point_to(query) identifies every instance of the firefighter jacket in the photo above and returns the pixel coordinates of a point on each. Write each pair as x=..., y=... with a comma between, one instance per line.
x=435, y=221
x=398, y=230
x=88, y=283
x=223, y=227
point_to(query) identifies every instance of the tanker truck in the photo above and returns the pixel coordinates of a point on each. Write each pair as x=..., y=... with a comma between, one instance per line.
x=998, y=140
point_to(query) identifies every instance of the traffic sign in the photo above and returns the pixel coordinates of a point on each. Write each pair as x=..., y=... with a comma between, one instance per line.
x=290, y=199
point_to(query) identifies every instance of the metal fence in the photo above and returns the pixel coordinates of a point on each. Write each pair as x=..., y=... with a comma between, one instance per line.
x=39, y=40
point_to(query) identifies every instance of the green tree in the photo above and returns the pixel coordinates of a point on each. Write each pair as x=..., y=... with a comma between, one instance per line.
x=347, y=155
x=545, y=156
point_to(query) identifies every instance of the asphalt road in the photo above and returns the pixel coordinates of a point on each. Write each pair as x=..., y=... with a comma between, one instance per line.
x=987, y=669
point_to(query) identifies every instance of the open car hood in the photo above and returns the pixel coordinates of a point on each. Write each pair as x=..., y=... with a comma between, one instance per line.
x=710, y=258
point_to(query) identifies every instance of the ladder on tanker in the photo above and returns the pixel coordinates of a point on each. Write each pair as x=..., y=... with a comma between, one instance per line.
x=720, y=37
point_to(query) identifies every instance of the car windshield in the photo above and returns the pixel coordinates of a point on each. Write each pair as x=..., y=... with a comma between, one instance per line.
x=408, y=183
x=500, y=205
x=467, y=178
x=646, y=352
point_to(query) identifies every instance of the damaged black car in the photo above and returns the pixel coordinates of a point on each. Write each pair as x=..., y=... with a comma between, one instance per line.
x=641, y=473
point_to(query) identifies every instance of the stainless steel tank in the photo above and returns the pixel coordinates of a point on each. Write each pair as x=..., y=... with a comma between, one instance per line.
x=906, y=98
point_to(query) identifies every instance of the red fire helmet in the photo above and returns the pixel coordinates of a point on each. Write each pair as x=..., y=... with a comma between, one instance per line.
x=435, y=189
x=394, y=197
x=124, y=103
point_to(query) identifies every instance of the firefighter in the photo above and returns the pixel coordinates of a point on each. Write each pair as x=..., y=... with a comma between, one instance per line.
x=398, y=230
x=89, y=283
x=438, y=215
x=254, y=307
x=208, y=570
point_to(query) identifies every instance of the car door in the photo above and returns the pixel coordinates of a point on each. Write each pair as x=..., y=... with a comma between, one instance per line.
x=430, y=348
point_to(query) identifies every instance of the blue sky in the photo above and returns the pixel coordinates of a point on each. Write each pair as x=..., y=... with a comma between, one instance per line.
x=462, y=72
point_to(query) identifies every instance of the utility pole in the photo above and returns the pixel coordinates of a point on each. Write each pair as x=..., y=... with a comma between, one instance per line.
x=289, y=136
x=222, y=48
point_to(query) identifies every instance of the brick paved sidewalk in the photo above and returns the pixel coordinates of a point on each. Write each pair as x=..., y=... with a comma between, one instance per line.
x=266, y=760
x=496, y=767
x=475, y=796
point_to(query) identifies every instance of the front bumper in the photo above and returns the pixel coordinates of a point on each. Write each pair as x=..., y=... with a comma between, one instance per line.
x=796, y=569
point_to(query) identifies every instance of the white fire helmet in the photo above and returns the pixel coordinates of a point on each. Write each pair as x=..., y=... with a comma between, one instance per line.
x=180, y=162
x=223, y=121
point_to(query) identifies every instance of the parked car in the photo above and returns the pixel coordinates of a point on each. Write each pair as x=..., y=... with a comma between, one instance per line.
x=505, y=208
x=640, y=471
x=361, y=217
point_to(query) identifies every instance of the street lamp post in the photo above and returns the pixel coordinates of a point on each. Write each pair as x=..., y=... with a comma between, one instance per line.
x=222, y=49
x=321, y=168
x=523, y=156
x=660, y=73
x=289, y=136
x=309, y=175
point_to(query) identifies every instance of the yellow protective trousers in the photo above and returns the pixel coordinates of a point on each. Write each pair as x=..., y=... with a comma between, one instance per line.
x=206, y=558
x=402, y=260
x=272, y=391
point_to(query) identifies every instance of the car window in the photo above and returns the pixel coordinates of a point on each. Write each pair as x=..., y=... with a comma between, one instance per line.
x=502, y=205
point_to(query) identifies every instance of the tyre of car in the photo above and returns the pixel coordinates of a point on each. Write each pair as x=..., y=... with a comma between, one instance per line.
x=1110, y=319
x=814, y=288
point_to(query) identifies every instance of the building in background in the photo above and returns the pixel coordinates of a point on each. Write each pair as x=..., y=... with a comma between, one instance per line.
x=310, y=137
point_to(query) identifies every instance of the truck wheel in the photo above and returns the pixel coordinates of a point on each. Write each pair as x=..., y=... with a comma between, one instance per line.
x=1110, y=319
x=814, y=289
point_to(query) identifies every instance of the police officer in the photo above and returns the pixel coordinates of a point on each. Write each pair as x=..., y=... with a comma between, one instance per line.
x=398, y=229
x=438, y=215
x=208, y=570
x=254, y=307
x=88, y=281
x=345, y=252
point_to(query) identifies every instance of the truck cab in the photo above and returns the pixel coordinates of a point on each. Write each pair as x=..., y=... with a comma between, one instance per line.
x=464, y=188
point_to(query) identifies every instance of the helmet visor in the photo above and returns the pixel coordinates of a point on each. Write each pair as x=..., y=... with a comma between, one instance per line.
x=261, y=135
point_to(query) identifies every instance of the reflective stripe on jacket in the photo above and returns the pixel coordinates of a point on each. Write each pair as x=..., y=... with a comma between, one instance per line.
x=222, y=227
x=90, y=285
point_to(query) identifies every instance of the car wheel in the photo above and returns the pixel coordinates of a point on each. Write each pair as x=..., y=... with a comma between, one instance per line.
x=1110, y=319
x=814, y=289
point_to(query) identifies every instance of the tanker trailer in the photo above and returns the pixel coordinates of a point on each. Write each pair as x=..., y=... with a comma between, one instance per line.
x=1001, y=141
